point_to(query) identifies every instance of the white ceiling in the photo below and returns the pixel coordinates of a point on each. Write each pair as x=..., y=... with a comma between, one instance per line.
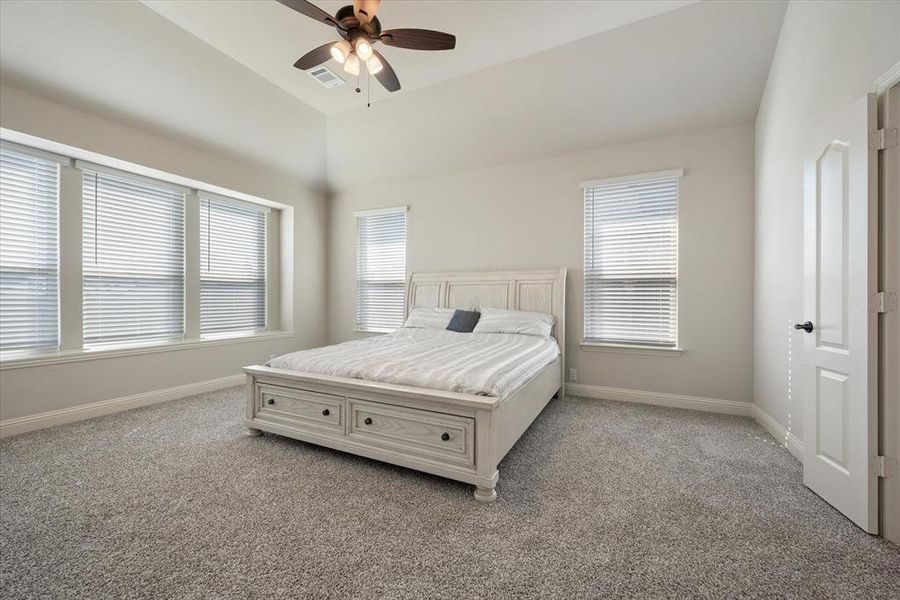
x=698, y=67
x=267, y=37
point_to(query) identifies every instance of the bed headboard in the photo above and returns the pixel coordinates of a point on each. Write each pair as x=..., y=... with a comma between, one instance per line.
x=538, y=290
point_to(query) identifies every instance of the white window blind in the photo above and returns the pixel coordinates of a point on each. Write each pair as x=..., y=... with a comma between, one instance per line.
x=133, y=259
x=233, y=266
x=29, y=262
x=631, y=260
x=381, y=270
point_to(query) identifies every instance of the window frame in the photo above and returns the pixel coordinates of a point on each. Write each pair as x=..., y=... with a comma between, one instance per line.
x=378, y=212
x=70, y=325
x=647, y=349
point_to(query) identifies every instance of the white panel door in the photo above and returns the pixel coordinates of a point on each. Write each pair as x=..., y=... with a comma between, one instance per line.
x=839, y=346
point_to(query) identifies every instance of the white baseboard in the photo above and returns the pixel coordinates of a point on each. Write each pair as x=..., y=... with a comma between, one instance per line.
x=105, y=407
x=779, y=432
x=728, y=407
x=96, y=409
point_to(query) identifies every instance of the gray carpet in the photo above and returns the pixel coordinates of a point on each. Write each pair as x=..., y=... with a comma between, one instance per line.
x=597, y=499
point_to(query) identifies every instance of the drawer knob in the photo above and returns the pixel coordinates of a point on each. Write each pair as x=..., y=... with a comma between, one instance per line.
x=326, y=412
x=271, y=400
x=445, y=436
x=368, y=421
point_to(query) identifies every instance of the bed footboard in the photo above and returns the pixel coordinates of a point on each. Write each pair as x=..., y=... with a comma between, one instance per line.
x=457, y=436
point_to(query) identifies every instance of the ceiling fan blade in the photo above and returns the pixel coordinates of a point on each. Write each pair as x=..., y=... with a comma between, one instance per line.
x=310, y=10
x=419, y=39
x=365, y=9
x=314, y=58
x=386, y=75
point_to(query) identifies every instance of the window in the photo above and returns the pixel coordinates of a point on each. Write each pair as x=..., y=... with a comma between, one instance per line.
x=381, y=269
x=29, y=261
x=232, y=266
x=631, y=260
x=133, y=258
x=96, y=261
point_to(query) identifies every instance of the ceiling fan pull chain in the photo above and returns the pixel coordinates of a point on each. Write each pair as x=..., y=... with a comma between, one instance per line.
x=368, y=90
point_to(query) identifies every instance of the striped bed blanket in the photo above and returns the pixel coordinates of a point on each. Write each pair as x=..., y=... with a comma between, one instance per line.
x=487, y=364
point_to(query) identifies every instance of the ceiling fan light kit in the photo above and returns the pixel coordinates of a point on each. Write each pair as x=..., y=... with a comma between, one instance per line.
x=361, y=30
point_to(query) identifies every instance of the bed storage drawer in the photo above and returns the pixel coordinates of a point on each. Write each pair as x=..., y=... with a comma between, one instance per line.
x=301, y=407
x=421, y=433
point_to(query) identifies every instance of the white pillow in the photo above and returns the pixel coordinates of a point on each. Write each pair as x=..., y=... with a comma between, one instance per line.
x=499, y=320
x=421, y=317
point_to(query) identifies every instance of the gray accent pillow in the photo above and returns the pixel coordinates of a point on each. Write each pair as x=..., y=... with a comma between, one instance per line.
x=463, y=321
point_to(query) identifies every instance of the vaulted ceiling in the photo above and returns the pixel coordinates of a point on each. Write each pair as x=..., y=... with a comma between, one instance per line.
x=267, y=37
x=529, y=78
x=701, y=66
x=123, y=62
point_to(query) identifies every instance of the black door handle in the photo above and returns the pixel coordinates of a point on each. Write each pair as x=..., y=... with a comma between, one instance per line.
x=807, y=327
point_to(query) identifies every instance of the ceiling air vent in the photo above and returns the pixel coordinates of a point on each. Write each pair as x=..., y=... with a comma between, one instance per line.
x=326, y=77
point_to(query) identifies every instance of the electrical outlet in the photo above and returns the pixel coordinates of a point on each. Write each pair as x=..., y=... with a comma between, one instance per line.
x=573, y=374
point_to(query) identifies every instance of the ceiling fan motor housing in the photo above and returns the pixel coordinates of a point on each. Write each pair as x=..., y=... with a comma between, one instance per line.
x=351, y=27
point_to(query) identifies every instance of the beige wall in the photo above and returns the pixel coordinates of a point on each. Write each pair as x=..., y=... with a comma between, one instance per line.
x=26, y=391
x=828, y=55
x=529, y=215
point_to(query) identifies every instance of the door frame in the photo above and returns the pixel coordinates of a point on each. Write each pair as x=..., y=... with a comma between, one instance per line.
x=888, y=342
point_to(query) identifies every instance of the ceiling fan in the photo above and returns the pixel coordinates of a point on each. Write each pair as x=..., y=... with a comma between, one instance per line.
x=360, y=30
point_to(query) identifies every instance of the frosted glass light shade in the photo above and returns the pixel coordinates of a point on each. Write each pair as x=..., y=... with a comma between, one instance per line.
x=363, y=49
x=351, y=65
x=340, y=51
x=374, y=65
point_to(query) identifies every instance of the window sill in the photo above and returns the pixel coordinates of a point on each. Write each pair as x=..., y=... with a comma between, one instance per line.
x=69, y=356
x=631, y=349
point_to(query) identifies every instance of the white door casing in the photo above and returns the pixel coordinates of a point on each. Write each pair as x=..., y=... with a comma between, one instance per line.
x=839, y=362
x=890, y=320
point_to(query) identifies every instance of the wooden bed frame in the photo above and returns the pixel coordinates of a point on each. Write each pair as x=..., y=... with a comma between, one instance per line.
x=458, y=436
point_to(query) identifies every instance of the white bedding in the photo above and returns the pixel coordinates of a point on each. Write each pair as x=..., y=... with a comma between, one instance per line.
x=488, y=364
